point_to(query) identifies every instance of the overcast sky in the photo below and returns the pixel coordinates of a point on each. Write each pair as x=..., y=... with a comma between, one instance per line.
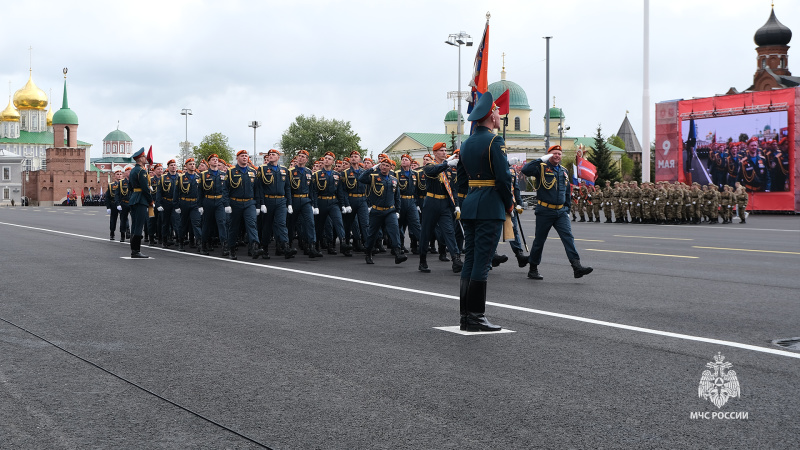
x=381, y=65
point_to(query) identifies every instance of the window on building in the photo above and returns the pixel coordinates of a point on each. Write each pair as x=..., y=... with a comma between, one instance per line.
x=28, y=165
x=516, y=124
x=6, y=194
x=6, y=173
x=44, y=164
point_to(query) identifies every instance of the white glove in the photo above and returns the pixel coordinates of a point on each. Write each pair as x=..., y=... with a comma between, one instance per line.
x=201, y=210
x=177, y=210
x=264, y=209
x=108, y=211
x=349, y=209
x=693, y=203
x=369, y=209
x=289, y=209
x=344, y=210
x=398, y=215
x=729, y=206
x=667, y=203
x=639, y=204
x=419, y=210
x=119, y=208
x=315, y=211
x=228, y=210
x=546, y=157
x=258, y=211
x=452, y=161
x=160, y=209
x=458, y=213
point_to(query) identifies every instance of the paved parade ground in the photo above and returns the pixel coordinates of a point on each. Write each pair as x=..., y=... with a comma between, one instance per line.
x=190, y=351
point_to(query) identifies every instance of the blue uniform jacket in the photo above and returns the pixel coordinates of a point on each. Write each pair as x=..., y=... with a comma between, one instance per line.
x=212, y=184
x=325, y=183
x=483, y=174
x=241, y=185
x=382, y=189
x=272, y=181
x=166, y=189
x=551, y=182
x=188, y=186
x=300, y=180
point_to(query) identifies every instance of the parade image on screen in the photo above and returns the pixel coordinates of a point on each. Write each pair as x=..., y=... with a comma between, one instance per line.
x=752, y=149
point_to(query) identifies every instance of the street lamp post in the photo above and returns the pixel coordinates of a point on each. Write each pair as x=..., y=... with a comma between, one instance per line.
x=457, y=40
x=185, y=151
x=561, y=130
x=254, y=124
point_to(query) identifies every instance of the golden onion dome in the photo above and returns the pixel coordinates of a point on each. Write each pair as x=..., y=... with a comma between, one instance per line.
x=30, y=96
x=50, y=114
x=10, y=114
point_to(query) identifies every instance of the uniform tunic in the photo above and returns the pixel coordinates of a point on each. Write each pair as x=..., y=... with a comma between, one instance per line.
x=303, y=216
x=214, y=199
x=186, y=197
x=384, y=196
x=273, y=191
x=140, y=199
x=356, y=223
x=241, y=191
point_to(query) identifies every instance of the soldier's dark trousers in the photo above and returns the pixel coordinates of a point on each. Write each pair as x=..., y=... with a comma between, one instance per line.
x=329, y=209
x=138, y=219
x=273, y=223
x=303, y=216
x=409, y=217
x=123, y=218
x=190, y=218
x=112, y=221
x=480, y=243
x=243, y=214
x=378, y=219
x=169, y=220
x=547, y=218
x=356, y=224
x=214, y=212
x=437, y=212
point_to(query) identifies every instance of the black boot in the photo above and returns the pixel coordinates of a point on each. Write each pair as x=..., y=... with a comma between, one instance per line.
x=203, y=249
x=112, y=235
x=443, y=254
x=332, y=247
x=498, y=259
x=533, y=273
x=368, y=256
x=357, y=247
x=345, y=249
x=423, y=263
x=225, y=250
x=278, y=249
x=380, y=248
x=288, y=252
x=313, y=252
x=414, y=246
x=122, y=237
x=462, y=302
x=254, y=250
x=265, y=255
x=583, y=219
x=136, y=247
x=578, y=269
x=522, y=259
x=476, y=306
x=457, y=263
x=232, y=253
x=399, y=256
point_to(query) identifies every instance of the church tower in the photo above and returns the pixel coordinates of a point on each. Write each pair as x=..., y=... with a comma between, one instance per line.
x=65, y=123
x=772, y=61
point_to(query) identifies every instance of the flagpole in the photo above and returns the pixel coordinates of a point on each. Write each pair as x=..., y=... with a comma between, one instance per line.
x=646, y=97
x=547, y=96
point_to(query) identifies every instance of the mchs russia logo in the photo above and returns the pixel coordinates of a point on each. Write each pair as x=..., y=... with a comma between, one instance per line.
x=718, y=384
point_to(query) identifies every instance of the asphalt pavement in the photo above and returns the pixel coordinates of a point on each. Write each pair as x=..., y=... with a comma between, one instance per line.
x=191, y=351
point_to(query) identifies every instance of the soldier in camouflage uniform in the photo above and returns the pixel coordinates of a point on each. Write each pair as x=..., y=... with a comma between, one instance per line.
x=635, y=197
x=574, y=200
x=583, y=194
x=740, y=194
x=693, y=204
x=608, y=197
x=597, y=202
x=726, y=202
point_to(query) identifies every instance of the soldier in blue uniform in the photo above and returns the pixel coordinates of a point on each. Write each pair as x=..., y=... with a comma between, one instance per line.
x=553, y=192
x=483, y=175
x=356, y=220
x=408, y=181
x=241, y=192
x=516, y=244
x=330, y=201
x=140, y=201
x=274, y=196
x=302, y=218
x=439, y=208
x=754, y=172
x=153, y=228
x=165, y=192
x=213, y=200
x=123, y=203
x=384, y=196
x=186, y=200
x=111, y=204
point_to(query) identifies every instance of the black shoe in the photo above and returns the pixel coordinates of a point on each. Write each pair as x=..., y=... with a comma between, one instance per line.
x=457, y=263
x=414, y=250
x=225, y=250
x=608, y=220
x=578, y=269
x=346, y=250
x=583, y=219
x=380, y=248
x=742, y=222
x=332, y=249
x=478, y=322
x=368, y=256
x=399, y=256
x=112, y=236
x=522, y=259
x=574, y=219
x=122, y=237
x=498, y=259
x=288, y=252
x=254, y=250
x=232, y=254
x=203, y=249
x=533, y=273
x=423, y=263
x=265, y=255
x=313, y=252
x=443, y=257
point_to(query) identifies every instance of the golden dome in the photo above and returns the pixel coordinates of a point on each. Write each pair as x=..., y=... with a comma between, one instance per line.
x=10, y=114
x=30, y=97
x=50, y=114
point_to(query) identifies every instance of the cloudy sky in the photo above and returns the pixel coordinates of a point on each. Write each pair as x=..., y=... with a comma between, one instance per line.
x=381, y=65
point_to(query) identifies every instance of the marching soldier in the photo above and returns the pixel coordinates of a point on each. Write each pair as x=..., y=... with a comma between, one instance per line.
x=727, y=201
x=635, y=195
x=742, y=197
x=165, y=193
x=302, y=218
x=186, y=200
x=213, y=200
x=597, y=197
x=111, y=204
x=617, y=202
x=356, y=220
x=240, y=189
x=407, y=180
x=583, y=199
x=153, y=223
x=552, y=193
x=609, y=199
x=516, y=244
x=140, y=201
x=484, y=175
x=274, y=195
x=384, y=196
x=123, y=201
x=329, y=201
x=439, y=208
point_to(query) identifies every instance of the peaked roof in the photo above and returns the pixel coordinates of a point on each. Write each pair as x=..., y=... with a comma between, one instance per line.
x=589, y=142
x=29, y=137
x=427, y=139
x=628, y=136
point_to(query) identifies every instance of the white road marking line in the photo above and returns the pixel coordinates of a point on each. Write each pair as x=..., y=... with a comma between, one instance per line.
x=457, y=330
x=584, y=240
x=650, y=237
x=746, y=250
x=641, y=253
x=730, y=228
x=143, y=259
x=686, y=337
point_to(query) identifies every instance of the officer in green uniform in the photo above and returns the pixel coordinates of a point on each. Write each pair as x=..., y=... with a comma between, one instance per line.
x=484, y=176
x=111, y=204
x=140, y=201
x=552, y=211
x=122, y=198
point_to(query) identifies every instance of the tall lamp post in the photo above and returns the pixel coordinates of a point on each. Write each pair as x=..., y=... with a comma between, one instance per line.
x=457, y=40
x=254, y=124
x=185, y=147
x=561, y=130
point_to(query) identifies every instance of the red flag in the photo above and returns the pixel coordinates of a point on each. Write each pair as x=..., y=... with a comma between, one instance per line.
x=480, y=77
x=150, y=156
x=503, y=102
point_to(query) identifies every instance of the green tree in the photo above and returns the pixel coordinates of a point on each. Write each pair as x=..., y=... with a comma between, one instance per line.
x=318, y=136
x=626, y=167
x=743, y=137
x=616, y=141
x=601, y=158
x=637, y=171
x=214, y=143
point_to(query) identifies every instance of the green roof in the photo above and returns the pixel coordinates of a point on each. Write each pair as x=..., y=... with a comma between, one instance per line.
x=117, y=135
x=428, y=139
x=45, y=137
x=518, y=98
x=65, y=116
x=112, y=159
x=453, y=116
x=556, y=113
x=589, y=142
x=93, y=168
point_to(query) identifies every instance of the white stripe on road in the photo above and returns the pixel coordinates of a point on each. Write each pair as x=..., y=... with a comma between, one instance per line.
x=686, y=337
